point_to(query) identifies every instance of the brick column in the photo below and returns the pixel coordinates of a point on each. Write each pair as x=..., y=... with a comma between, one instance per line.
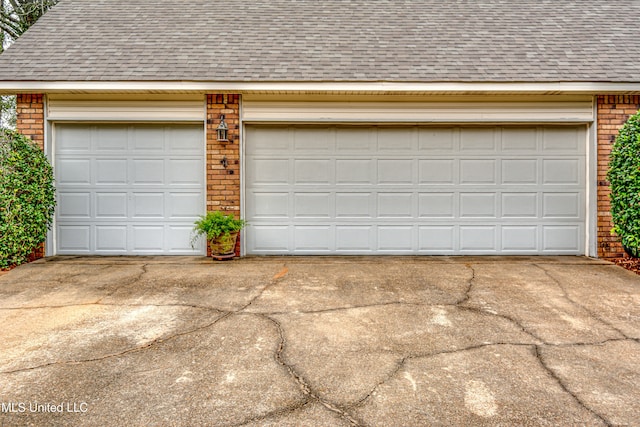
x=30, y=123
x=613, y=111
x=223, y=183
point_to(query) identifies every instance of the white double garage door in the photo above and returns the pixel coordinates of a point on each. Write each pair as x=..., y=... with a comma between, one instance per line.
x=309, y=189
x=415, y=189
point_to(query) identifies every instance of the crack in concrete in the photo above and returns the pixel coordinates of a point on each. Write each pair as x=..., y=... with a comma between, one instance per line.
x=467, y=294
x=507, y=318
x=137, y=349
x=275, y=414
x=564, y=387
x=399, y=365
x=355, y=307
x=577, y=304
x=275, y=279
x=302, y=383
x=129, y=283
x=408, y=357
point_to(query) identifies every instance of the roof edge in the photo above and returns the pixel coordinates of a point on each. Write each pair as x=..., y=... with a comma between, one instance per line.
x=12, y=87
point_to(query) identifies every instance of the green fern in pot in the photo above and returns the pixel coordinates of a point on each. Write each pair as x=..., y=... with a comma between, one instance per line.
x=220, y=230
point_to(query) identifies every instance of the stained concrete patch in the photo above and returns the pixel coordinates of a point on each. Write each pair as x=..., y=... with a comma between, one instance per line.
x=494, y=385
x=305, y=287
x=48, y=285
x=345, y=353
x=53, y=335
x=605, y=377
x=223, y=286
x=532, y=298
x=604, y=291
x=225, y=374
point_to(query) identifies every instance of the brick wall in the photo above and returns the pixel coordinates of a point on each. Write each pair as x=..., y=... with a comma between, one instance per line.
x=30, y=115
x=613, y=111
x=223, y=184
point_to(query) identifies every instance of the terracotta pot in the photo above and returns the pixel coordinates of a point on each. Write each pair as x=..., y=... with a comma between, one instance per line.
x=223, y=247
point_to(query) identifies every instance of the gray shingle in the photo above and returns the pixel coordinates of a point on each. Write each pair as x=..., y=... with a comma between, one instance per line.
x=331, y=40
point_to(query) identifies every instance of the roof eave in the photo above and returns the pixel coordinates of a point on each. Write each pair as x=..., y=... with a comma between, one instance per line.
x=12, y=87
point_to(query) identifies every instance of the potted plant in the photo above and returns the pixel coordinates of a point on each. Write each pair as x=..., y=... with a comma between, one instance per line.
x=624, y=176
x=221, y=232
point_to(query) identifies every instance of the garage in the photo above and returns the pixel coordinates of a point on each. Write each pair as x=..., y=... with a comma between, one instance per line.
x=128, y=189
x=415, y=189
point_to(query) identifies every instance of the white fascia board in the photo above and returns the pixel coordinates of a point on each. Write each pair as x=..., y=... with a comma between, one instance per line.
x=8, y=87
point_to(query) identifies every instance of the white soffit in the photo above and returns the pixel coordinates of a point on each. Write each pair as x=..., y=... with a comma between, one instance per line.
x=410, y=112
x=178, y=110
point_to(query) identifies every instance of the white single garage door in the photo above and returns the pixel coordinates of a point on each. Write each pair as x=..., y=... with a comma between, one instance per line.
x=415, y=189
x=128, y=189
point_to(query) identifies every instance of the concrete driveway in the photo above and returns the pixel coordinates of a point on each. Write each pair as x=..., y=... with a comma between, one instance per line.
x=320, y=342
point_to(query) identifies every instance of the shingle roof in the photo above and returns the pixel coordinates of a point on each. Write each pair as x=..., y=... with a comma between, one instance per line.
x=331, y=40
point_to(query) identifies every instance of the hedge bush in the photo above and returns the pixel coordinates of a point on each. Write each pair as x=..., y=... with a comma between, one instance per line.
x=27, y=198
x=624, y=176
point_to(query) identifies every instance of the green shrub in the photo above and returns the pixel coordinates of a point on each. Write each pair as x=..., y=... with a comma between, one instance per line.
x=624, y=176
x=215, y=224
x=27, y=198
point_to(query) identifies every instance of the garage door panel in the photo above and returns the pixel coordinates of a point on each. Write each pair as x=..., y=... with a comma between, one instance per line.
x=312, y=205
x=395, y=205
x=111, y=238
x=436, y=140
x=355, y=140
x=269, y=171
x=132, y=191
x=75, y=238
x=519, y=238
x=317, y=239
x=478, y=140
x=184, y=205
x=148, y=172
x=416, y=189
x=519, y=172
x=74, y=205
x=562, y=139
x=437, y=239
x=148, y=238
x=436, y=205
x=437, y=171
x=478, y=171
x=269, y=239
x=185, y=171
x=478, y=238
x=73, y=171
x=147, y=205
x=478, y=205
x=359, y=238
x=395, y=238
x=111, y=205
x=397, y=140
x=519, y=205
x=561, y=205
x=148, y=138
x=111, y=171
x=73, y=138
x=561, y=238
x=110, y=138
x=359, y=172
x=520, y=140
x=268, y=205
x=354, y=205
x=395, y=172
